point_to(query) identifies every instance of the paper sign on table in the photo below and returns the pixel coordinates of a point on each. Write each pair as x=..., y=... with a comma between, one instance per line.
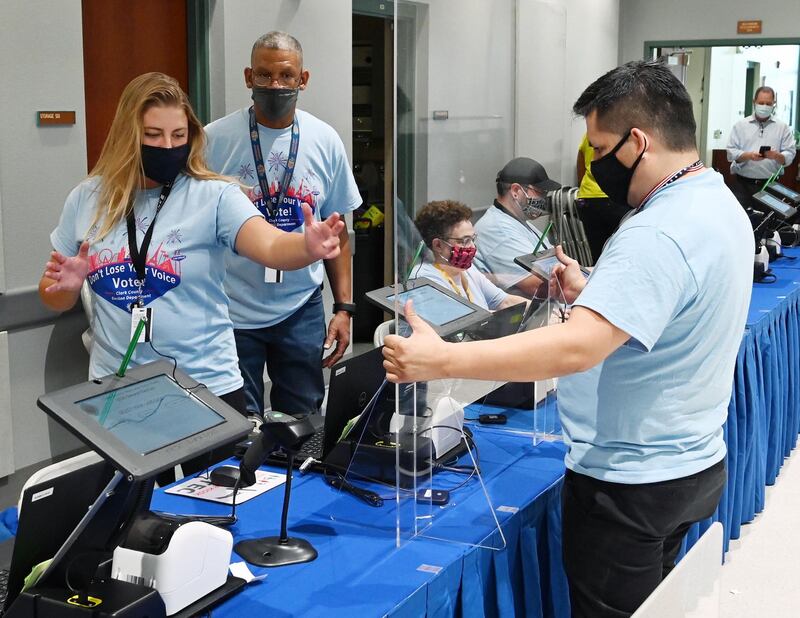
x=201, y=487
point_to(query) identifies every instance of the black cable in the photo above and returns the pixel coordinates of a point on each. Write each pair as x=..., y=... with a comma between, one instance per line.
x=336, y=480
x=214, y=520
x=468, y=439
x=77, y=558
x=188, y=389
x=462, y=483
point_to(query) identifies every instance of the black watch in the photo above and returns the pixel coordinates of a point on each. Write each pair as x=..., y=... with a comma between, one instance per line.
x=349, y=307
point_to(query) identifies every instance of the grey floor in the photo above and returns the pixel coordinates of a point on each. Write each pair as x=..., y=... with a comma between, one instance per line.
x=761, y=575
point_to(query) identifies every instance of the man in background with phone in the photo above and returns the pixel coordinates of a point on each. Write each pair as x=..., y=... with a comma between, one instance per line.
x=759, y=145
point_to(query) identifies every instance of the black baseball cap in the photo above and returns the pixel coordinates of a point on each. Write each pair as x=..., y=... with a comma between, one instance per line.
x=525, y=171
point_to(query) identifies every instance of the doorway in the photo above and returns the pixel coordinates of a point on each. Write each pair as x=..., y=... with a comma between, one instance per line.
x=722, y=76
x=120, y=41
x=373, y=140
x=384, y=146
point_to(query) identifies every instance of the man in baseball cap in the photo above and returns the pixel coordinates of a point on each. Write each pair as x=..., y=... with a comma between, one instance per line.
x=525, y=171
x=505, y=229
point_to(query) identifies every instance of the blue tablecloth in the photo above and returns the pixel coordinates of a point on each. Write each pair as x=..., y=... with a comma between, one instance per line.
x=360, y=572
x=764, y=412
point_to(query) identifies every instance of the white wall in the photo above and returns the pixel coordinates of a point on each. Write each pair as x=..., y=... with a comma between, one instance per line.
x=696, y=86
x=725, y=96
x=470, y=74
x=659, y=20
x=324, y=29
x=563, y=46
x=508, y=72
x=777, y=69
x=41, y=63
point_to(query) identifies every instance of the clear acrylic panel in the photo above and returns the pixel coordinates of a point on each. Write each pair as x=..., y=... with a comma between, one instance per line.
x=416, y=447
x=455, y=85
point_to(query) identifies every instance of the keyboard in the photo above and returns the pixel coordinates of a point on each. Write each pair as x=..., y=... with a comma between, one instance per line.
x=3, y=588
x=311, y=448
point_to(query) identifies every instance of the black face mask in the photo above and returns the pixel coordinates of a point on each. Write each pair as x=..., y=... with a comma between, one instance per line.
x=275, y=103
x=612, y=176
x=164, y=164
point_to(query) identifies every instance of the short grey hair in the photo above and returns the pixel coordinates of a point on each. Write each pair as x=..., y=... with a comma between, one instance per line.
x=278, y=40
x=761, y=89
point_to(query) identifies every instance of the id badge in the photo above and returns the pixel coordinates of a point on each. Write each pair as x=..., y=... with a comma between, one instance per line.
x=146, y=313
x=272, y=276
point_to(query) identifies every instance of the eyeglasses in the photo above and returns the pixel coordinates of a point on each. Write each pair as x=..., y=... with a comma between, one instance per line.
x=533, y=192
x=465, y=241
x=265, y=80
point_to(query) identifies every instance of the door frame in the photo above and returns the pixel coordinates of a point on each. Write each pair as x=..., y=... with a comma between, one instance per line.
x=650, y=46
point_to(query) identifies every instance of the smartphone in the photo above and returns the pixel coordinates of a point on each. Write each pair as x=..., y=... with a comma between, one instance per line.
x=764, y=149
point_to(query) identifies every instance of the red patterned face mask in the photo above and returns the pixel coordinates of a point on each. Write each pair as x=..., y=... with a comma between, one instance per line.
x=460, y=257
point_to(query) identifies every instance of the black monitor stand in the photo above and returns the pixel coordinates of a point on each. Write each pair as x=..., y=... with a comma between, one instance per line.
x=80, y=573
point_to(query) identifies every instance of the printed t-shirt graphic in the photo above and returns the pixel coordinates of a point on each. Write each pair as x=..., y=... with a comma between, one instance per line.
x=321, y=178
x=113, y=277
x=288, y=215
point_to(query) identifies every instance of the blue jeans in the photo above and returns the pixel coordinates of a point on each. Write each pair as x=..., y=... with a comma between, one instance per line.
x=292, y=352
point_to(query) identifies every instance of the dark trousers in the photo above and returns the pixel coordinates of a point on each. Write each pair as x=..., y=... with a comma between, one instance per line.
x=745, y=188
x=292, y=352
x=235, y=399
x=620, y=541
x=600, y=218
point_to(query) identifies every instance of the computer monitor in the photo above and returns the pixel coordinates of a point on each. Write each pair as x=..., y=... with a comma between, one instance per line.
x=148, y=421
x=444, y=310
x=785, y=193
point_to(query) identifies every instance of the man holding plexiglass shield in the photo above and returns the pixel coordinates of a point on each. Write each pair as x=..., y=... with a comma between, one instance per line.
x=647, y=354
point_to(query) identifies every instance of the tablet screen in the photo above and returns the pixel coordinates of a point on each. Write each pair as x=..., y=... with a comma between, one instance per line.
x=547, y=264
x=150, y=414
x=433, y=306
x=775, y=204
x=785, y=191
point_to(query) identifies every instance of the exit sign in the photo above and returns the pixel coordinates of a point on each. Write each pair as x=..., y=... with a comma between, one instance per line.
x=749, y=26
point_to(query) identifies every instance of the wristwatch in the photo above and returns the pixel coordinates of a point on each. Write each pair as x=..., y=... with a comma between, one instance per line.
x=349, y=307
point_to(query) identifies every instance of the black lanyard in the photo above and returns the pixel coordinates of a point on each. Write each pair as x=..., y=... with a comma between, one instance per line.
x=139, y=255
x=273, y=199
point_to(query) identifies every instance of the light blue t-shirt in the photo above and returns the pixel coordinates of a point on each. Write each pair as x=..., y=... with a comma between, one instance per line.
x=322, y=179
x=676, y=277
x=196, y=227
x=501, y=238
x=484, y=293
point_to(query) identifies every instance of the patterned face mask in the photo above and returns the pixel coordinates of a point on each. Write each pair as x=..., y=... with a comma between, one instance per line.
x=460, y=257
